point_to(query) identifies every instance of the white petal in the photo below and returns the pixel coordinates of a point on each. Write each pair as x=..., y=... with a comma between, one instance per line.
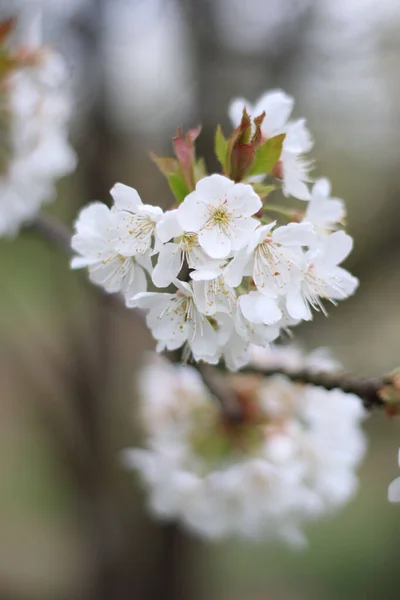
x=213, y=190
x=259, y=309
x=243, y=201
x=214, y=242
x=193, y=213
x=298, y=138
x=137, y=285
x=125, y=197
x=204, y=274
x=295, y=234
x=233, y=272
x=337, y=247
x=394, y=491
x=168, y=227
x=241, y=231
x=168, y=265
x=235, y=110
x=322, y=188
x=296, y=306
x=150, y=300
x=277, y=106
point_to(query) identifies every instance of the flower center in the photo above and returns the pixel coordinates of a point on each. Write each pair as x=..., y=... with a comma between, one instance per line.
x=220, y=216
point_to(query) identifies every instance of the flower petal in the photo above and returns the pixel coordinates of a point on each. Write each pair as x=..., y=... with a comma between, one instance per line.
x=295, y=234
x=125, y=197
x=168, y=227
x=394, y=490
x=193, y=213
x=215, y=242
x=168, y=265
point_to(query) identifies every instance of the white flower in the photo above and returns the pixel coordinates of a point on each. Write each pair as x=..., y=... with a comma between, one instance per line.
x=270, y=255
x=220, y=212
x=324, y=212
x=258, y=318
x=320, y=277
x=173, y=254
x=212, y=293
x=290, y=461
x=394, y=487
x=35, y=147
x=174, y=319
x=95, y=242
x=278, y=107
x=136, y=222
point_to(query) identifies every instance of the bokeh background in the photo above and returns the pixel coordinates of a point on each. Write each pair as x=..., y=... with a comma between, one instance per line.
x=72, y=524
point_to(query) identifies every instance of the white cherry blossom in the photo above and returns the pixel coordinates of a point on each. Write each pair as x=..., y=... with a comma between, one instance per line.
x=270, y=255
x=95, y=243
x=278, y=107
x=175, y=320
x=136, y=222
x=220, y=212
x=324, y=212
x=320, y=277
x=35, y=148
x=171, y=255
x=294, y=463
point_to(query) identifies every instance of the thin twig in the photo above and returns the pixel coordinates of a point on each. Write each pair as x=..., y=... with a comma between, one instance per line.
x=53, y=230
x=366, y=389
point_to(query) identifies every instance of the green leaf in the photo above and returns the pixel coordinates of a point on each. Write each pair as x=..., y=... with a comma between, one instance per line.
x=263, y=190
x=200, y=169
x=221, y=146
x=178, y=186
x=165, y=164
x=267, y=155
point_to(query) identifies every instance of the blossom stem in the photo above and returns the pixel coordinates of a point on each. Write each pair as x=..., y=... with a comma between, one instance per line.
x=368, y=390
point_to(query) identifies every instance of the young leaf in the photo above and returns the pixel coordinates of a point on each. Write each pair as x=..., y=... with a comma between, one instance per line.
x=267, y=156
x=200, y=169
x=221, y=146
x=178, y=186
x=165, y=164
x=263, y=190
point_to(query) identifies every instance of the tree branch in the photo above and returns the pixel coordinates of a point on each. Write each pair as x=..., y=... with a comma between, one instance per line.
x=53, y=231
x=368, y=390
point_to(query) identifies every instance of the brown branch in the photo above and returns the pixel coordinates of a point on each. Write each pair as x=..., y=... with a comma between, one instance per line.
x=222, y=392
x=368, y=390
x=53, y=230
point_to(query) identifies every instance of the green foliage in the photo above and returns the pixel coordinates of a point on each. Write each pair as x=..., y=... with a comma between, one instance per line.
x=221, y=146
x=267, y=155
x=178, y=186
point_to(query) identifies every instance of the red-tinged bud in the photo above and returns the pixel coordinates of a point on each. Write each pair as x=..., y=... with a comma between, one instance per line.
x=185, y=152
x=242, y=146
x=7, y=28
x=258, y=138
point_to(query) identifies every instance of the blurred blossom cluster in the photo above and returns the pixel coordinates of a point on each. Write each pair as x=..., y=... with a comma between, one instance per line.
x=35, y=110
x=291, y=460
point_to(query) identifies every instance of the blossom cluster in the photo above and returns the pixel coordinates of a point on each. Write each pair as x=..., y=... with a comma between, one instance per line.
x=291, y=460
x=242, y=269
x=34, y=112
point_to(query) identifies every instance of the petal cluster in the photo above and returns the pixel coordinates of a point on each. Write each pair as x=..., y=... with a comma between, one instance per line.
x=35, y=110
x=225, y=273
x=292, y=462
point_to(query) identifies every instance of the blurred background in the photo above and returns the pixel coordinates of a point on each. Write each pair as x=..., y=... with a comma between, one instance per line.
x=72, y=523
